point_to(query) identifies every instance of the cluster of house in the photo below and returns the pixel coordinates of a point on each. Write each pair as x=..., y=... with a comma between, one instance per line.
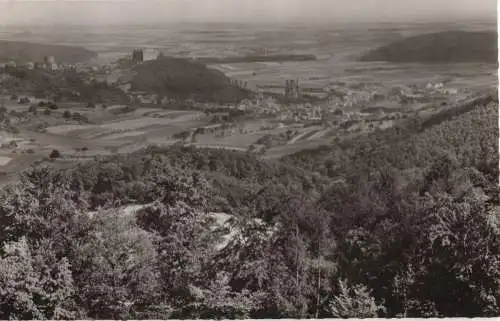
x=441, y=89
x=267, y=106
x=349, y=98
x=49, y=64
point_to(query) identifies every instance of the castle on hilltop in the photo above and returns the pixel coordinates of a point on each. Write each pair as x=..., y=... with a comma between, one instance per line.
x=137, y=56
x=142, y=55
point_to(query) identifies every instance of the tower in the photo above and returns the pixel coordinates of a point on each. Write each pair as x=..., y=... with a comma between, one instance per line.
x=137, y=56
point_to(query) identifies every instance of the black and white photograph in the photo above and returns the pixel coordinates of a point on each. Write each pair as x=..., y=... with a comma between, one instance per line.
x=249, y=159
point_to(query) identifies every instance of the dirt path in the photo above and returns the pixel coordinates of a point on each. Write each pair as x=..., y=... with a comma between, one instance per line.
x=298, y=137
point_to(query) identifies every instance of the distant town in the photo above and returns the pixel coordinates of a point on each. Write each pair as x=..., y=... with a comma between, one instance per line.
x=83, y=101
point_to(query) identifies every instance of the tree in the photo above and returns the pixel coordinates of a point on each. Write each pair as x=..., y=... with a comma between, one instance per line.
x=353, y=302
x=67, y=114
x=115, y=268
x=42, y=206
x=218, y=301
x=55, y=154
x=184, y=246
x=35, y=286
x=16, y=298
x=460, y=249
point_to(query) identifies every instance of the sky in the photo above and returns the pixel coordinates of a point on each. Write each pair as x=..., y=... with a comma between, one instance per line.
x=158, y=11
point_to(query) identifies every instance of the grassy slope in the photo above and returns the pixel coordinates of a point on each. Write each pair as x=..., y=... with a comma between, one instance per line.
x=22, y=52
x=449, y=46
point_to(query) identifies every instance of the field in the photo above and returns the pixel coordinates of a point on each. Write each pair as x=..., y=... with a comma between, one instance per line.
x=337, y=49
x=82, y=141
x=109, y=133
x=182, y=199
x=326, y=72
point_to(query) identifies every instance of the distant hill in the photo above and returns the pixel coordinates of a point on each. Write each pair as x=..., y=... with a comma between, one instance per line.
x=22, y=52
x=442, y=47
x=186, y=79
x=63, y=85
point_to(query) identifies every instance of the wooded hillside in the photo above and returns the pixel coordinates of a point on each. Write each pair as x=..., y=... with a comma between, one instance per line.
x=401, y=224
x=24, y=52
x=443, y=47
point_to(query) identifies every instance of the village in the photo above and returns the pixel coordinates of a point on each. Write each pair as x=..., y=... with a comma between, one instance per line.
x=287, y=119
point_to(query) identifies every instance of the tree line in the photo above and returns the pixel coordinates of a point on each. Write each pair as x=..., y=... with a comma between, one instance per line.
x=391, y=227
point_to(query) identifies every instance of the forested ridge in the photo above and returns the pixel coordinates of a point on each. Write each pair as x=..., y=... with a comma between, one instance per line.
x=186, y=79
x=402, y=223
x=440, y=47
x=24, y=52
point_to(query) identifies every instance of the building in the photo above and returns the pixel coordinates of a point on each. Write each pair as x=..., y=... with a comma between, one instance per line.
x=137, y=56
x=150, y=54
x=292, y=89
x=49, y=61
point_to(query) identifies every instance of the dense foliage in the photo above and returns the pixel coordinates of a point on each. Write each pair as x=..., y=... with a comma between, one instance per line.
x=471, y=136
x=441, y=47
x=24, y=52
x=389, y=227
x=63, y=85
x=186, y=79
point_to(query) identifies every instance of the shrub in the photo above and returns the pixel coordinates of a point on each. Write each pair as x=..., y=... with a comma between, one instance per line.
x=67, y=114
x=353, y=302
x=79, y=117
x=55, y=154
x=53, y=106
x=24, y=100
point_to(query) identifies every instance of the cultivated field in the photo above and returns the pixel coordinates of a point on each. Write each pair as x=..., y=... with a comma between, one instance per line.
x=335, y=47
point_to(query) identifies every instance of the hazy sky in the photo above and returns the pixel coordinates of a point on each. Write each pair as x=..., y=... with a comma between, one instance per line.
x=157, y=11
